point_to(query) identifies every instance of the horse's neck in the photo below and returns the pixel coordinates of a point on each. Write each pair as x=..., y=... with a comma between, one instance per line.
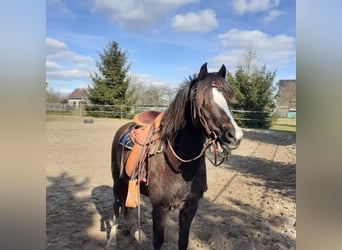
x=190, y=140
x=190, y=145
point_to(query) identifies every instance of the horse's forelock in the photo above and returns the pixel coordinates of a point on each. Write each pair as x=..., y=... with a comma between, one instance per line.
x=174, y=117
x=203, y=89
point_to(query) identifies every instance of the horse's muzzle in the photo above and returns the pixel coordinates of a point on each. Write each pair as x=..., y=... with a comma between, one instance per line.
x=231, y=139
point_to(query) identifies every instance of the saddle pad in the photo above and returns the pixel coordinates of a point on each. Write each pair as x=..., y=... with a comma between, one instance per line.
x=126, y=140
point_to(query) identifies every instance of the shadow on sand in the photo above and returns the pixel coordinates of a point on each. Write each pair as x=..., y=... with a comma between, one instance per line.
x=279, y=138
x=68, y=216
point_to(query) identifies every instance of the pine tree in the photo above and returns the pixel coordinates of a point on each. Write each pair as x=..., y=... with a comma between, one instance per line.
x=254, y=90
x=110, y=87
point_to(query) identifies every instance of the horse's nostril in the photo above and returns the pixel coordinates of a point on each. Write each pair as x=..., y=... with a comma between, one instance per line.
x=230, y=135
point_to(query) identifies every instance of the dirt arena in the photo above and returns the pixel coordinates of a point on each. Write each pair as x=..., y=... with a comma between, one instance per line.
x=250, y=202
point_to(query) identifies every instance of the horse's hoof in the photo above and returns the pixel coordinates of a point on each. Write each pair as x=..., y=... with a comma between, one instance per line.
x=112, y=243
x=140, y=238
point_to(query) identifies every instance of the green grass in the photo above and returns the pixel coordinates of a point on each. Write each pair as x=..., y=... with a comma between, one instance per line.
x=285, y=124
x=59, y=116
x=67, y=116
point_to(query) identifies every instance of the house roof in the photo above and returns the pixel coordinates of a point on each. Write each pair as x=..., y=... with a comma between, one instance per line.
x=78, y=94
x=282, y=83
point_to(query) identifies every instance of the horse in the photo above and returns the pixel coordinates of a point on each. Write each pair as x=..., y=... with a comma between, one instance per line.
x=177, y=175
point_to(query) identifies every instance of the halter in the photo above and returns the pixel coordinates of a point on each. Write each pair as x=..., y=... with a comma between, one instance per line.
x=213, y=139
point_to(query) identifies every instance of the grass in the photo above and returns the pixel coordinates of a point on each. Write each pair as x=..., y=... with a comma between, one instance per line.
x=59, y=116
x=65, y=116
x=286, y=125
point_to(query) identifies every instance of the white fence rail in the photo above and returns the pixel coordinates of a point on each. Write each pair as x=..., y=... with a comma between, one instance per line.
x=122, y=111
x=59, y=107
x=118, y=110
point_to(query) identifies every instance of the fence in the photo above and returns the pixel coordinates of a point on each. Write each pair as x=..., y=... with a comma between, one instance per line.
x=118, y=111
x=59, y=107
x=121, y=111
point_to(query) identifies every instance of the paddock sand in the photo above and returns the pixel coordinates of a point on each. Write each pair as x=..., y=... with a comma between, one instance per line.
x=250, y=202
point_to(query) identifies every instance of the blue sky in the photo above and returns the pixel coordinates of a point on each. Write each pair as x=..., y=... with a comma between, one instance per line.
x=167, y=40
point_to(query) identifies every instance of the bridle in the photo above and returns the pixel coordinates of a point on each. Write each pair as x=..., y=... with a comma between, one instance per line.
x=211, y=135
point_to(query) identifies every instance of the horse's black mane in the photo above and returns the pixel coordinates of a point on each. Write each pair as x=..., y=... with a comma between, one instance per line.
x=175, y=115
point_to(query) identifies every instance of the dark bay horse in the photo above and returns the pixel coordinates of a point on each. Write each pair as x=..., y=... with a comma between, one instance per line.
x=199, y=112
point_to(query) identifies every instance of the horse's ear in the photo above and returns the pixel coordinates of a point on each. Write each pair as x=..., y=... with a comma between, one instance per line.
x=203, y=72
x=222, y=71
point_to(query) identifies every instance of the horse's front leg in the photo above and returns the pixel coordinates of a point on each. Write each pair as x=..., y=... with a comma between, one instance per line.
x=159, y=216
x=111, y=237
x=186, y=216
x=133, y=225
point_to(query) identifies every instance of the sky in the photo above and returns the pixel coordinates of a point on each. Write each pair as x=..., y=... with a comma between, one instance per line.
x=167, y=40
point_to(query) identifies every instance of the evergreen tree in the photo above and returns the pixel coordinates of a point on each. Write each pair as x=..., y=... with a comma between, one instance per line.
x=110, y=87
x=254, y=90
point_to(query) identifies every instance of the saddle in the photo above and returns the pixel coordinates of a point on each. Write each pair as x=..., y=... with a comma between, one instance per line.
x=143, y=137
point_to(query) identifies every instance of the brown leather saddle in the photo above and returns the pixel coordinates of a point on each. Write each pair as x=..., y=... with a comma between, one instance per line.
x=143, y=138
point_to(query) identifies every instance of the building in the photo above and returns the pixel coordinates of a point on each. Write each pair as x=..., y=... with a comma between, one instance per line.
x=286, y=99
x=78, y=96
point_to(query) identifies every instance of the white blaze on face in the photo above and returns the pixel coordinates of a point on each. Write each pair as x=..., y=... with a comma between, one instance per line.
x=222, y=103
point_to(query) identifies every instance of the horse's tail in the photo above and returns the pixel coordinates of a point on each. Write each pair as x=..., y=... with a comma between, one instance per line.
x=117, y=155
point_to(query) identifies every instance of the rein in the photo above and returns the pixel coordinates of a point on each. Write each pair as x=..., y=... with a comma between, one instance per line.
x=206, y=145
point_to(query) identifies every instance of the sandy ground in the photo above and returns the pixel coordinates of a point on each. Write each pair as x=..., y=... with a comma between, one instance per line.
x=250, y=202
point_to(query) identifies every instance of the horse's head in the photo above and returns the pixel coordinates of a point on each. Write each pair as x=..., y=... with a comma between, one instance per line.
x=210, y=95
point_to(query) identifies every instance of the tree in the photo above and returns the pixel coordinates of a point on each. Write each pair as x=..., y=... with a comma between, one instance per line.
x=110, y=87
x=151, y=94
x=254, y=90
x=287, y=93
x=52, y=96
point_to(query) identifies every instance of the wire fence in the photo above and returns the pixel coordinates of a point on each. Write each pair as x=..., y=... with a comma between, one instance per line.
x=244, y=118
x=115, y=111
x=123, y=111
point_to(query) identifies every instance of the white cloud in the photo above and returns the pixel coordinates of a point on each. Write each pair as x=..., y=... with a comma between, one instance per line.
x=137, y=14
x=203, y=21
x=57, y=50
x=67, y=74
x=256, y=39
x=59, y=6
x=148, y=80
x=229, y=58
x=243, y=6
x=64, y=64
x=53, y=45
x=50, y=66
x=273, y=51
x=273, y=14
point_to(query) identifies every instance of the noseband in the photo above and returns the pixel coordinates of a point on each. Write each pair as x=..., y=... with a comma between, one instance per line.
x=212, y=137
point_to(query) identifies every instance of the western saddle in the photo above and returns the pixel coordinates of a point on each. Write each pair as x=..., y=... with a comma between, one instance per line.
x=144, y=136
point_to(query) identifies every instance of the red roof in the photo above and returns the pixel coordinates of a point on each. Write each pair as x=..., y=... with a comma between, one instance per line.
x=78, y=94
